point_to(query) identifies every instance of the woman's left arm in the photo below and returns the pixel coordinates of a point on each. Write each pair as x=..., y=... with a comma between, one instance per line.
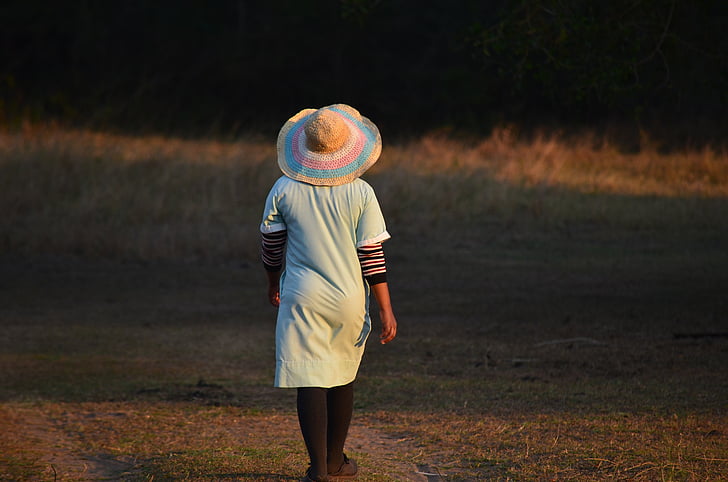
x=272, y=245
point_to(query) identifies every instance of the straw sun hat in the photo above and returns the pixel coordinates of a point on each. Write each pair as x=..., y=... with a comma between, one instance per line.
x=329, y=146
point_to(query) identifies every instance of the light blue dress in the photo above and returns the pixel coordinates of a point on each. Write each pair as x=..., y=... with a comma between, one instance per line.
x=323, y=319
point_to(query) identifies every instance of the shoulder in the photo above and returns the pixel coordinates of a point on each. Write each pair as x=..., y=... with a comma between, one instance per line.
x=361, y=186
x=281, y=183
x=286, y=185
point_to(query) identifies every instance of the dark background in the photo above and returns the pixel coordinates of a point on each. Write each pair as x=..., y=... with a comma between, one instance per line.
x=235, y=66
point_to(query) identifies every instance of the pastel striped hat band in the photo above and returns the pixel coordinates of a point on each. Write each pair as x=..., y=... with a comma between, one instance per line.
x=327, y=147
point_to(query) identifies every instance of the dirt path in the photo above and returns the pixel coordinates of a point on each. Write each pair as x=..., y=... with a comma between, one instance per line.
x=60, y=441
x=58, y=450
x=384, y=446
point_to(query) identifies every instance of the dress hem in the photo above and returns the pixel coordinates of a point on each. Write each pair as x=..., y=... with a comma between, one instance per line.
x=315, y=373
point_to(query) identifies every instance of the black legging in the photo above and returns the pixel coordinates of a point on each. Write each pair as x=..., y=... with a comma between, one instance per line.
x=324, y=415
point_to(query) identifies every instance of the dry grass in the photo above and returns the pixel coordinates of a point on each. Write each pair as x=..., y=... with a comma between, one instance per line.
x=565, y=447
x=105, y=195
x=192, y=442
x=141, y=370
x=150, y=197
x=585, y=164
x=159, y=440
x=122, y=359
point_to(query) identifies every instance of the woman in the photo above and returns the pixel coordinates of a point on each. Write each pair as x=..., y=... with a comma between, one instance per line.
x=330, y=224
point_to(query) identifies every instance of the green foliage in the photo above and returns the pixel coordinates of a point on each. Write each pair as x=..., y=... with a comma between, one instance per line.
x=358, y=10
x=579, y=55
x=241, y=65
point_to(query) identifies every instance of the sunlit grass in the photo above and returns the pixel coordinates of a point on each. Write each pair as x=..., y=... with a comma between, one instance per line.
x=584, y=164
x=150, y=197
x=616, y=446
x=172, y=441
x=499, y=244
x=106, y=195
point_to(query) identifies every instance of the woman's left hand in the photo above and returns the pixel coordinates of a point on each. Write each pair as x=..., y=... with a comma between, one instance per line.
x=274, y=294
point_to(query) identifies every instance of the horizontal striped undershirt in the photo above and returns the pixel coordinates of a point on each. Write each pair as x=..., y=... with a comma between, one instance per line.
x=272, y=249
x=371, y=257
x=373, y=264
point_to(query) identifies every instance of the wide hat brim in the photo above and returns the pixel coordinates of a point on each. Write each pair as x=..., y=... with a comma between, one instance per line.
x=357, y=154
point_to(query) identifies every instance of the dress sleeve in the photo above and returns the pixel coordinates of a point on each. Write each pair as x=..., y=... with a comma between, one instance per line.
x=371, y=228
x=272, y=217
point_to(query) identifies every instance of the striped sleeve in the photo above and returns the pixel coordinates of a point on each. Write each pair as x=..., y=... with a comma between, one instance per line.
x=272, y=245
x=373, y=264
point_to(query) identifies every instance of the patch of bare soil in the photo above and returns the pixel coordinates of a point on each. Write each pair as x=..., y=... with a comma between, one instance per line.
x=60, y=443
x=57, y=452
x=385, y=447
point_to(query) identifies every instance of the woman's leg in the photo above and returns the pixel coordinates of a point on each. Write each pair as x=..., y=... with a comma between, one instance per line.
x=311, y=405
x=340, y=405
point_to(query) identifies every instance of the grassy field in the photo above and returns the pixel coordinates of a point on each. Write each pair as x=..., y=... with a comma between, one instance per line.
x=562, y=309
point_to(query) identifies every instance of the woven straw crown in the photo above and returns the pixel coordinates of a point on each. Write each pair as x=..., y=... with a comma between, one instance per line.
x=327, y=147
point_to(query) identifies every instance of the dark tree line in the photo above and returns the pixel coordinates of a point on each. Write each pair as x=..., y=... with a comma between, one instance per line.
x=195, y=66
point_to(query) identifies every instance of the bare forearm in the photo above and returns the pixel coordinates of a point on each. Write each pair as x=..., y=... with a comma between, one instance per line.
x=381, y=294
x=386, y=315
x=274, y=277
